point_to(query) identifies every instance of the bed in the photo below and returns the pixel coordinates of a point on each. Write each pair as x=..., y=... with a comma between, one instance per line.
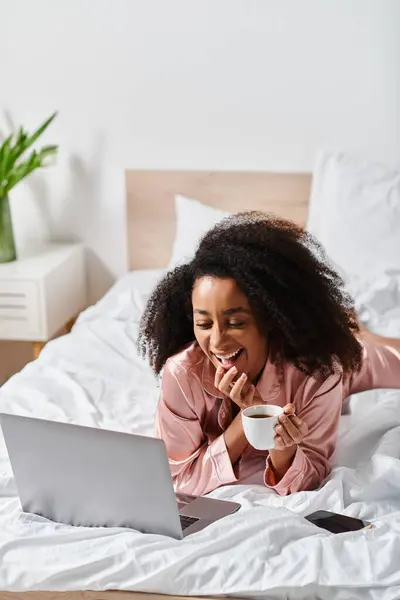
x=93, y=376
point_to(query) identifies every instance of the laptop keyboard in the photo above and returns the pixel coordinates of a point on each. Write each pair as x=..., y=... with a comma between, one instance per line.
x=187, y=521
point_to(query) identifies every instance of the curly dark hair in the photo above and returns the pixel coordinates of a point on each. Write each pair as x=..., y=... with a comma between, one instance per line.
x=298, y=299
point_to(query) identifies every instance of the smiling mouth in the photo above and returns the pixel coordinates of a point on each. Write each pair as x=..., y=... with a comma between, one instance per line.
x=228, y=360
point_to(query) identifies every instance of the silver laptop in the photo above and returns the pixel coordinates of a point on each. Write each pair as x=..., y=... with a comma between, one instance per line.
x=93, y=477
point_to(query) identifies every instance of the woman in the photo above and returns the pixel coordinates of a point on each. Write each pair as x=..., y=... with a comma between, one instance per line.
x=258, y=316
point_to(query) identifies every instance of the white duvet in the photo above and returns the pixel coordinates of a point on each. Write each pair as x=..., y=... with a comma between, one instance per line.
x=267, y=550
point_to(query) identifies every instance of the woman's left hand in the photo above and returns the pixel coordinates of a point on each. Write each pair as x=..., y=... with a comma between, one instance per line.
x=290, y=430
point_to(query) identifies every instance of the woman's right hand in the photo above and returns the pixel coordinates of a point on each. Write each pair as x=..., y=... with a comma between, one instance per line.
x=239, y=389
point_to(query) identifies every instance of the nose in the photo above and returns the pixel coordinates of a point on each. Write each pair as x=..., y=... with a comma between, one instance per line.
x=217, y=335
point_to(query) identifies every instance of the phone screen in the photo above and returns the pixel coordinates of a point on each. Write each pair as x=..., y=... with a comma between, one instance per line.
x=336, y=523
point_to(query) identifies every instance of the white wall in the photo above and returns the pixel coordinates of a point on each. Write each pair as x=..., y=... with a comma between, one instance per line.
x=249, y=84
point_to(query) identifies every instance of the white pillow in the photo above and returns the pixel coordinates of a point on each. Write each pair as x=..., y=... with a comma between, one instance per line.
x=355, y=213
x=193, y=220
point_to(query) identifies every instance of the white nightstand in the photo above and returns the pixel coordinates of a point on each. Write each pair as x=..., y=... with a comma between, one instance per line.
x=42, y=293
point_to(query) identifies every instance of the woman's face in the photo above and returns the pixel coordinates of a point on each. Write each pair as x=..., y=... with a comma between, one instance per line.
x=225, y=327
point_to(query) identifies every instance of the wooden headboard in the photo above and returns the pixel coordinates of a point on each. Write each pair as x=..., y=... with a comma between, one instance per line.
x=150, y=204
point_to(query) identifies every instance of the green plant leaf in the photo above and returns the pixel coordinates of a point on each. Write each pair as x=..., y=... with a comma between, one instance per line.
x=46, y=155
x=14, y=151
x=20, y=141
x=18, y=173
x=31, y=140
x=24, y=141
x=12, y=171
x=4, y=158
x=48, y=150
x=20, y=137
x=23, y=169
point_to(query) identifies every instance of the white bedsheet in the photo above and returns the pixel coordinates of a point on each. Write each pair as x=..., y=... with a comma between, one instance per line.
x=268, y=550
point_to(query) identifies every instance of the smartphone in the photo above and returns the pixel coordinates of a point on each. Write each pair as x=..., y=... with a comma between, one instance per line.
x=336, y=523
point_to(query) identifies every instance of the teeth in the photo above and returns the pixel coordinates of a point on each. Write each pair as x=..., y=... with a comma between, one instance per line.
x=228, y=355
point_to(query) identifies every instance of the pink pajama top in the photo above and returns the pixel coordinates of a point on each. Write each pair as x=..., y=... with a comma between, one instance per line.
x=193, y=414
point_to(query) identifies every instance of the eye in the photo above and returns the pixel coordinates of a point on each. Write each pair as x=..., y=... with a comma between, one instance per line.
x=236, y=324
x=204, y=325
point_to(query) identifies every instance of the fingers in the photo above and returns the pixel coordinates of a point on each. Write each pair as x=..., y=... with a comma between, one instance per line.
x=248, y=396
x=240, y=391
x=223, y=379
x=237, y=389
x=299, y=424
x=219, y=373
x=282, y=438
x=226, y=381
x=290, y=430
x=290, y=417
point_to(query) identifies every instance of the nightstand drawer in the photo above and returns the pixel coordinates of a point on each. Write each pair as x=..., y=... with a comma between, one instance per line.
x=19, y=310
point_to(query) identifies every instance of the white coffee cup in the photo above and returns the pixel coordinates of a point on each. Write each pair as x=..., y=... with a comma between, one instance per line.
x=259, y=425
